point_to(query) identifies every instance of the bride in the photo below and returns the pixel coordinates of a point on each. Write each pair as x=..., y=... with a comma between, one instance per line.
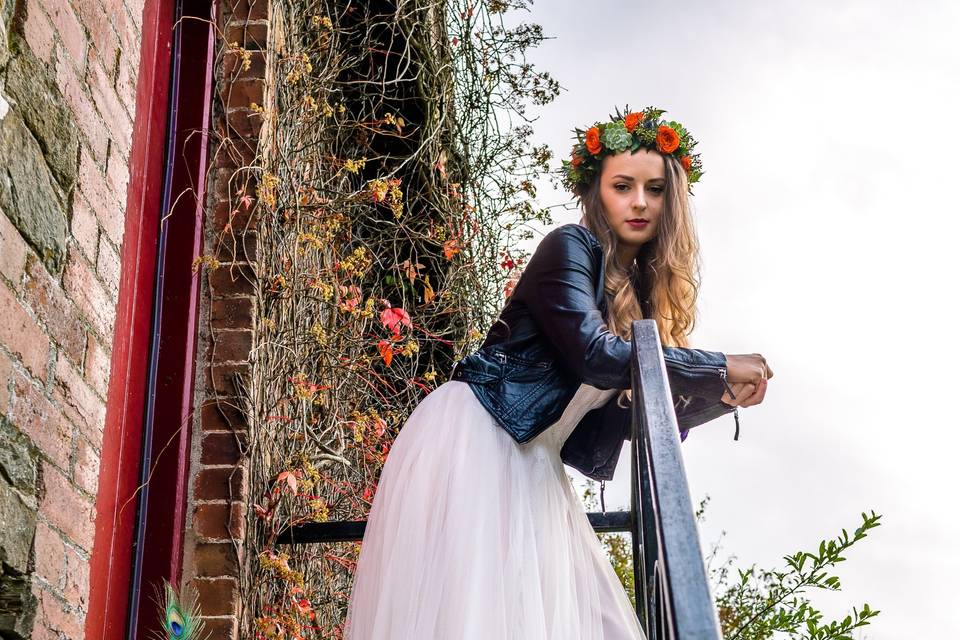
x=475, y=530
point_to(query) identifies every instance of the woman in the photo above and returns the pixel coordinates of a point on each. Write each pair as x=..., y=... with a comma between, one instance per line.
x=475, y=530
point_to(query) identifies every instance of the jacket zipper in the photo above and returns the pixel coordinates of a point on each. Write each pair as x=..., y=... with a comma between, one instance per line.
x=736, y=409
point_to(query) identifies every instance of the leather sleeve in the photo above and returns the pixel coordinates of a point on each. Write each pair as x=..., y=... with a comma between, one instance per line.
x=558, y=286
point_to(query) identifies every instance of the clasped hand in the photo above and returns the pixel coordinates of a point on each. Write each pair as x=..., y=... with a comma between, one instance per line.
x=747, y=375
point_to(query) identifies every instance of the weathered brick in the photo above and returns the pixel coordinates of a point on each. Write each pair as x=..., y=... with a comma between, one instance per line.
x=217, y=596
x=88, y=120
x=13, y=257
x=21, y=335
x=102, y=38
x=66, y=508
x=36, y=416
x=53, y=614
x=249, y=35
x=244, y=123
x=223, y=627
x=78, y=400
x=108, y=266
x=86, y=466
x=59, y=315
x=234, y=68
x=127, y=86
x=51, y=555
x=231, y=313
x=243, y=93
x=220, y=379
x=96, y=369
x=77, y=580
x=102, y=198
x=214, y=559
x=37, y=30
x=70, y=30
x=91, y=297
x=231, y=280
x=231, y=346
x=85, y=228
x=220, y=483
x=244, y=10
x=218, y=521
x=118, y=173
x=239, y=217
x=222, y=448
x=237, y=247
x=110, y=107
x=222, y=414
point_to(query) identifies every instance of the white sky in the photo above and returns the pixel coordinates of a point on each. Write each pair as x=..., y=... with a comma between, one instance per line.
x=828, y=132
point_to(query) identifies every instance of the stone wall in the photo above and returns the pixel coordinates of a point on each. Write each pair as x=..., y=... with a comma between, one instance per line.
x=68, y=72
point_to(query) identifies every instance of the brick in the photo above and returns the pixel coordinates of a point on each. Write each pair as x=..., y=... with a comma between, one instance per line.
x=231, y=280
x=214, y=559
x=85, y=228
x=222, y=448
x=239, y=217
x=91, y=297
x=218, y=521
x=231, y=346
x=55, y=615
x=220, y=483
x=220, y=379
x=103, y=200
x=244, y=123
x=37, y=30
x=86, y=466
x=96, y=369
x=88, y=121
x=126, y=86
x=237, y=247
x=77, y=580
x=222, y=414
x=233, y=64
x=108, y=266
x=224, y=627
x=128, y=31
x=102, y=38
x=70, y=30
x=118, y=173
x=244, y=10
x=217, y=596
x=66, y=508
x=60, y=316
x=50, y=554
x=110, y=107
x=249, y=35
x=80, y=404
x=231, y=313
x=36, y=416
x=21, y=334
x=242, y=93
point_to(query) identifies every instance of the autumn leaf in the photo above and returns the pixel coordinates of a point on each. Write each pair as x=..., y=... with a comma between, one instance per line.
x=451, y=248
x=386, y=351
x=290, y=479
x=428, y=294
x=393, y=317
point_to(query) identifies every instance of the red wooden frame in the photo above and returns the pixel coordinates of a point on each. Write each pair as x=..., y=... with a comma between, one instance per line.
x=123, y=441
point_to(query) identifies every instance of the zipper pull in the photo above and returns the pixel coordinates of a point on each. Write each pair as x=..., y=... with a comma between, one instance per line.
x=736, y=418
x=723, y=376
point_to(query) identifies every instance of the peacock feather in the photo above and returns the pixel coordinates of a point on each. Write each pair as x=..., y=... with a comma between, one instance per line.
x=179, y=618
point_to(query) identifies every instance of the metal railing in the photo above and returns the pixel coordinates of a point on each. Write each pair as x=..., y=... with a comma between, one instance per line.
x=673, y=595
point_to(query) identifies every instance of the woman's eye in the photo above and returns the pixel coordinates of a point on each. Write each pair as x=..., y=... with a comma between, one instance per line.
x=621, y=187
x=656, y=189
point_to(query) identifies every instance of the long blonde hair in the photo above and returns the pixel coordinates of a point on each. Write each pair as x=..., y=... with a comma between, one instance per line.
x=663, y=281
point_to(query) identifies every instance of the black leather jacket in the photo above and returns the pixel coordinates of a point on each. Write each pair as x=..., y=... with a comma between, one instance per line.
x=551, y=336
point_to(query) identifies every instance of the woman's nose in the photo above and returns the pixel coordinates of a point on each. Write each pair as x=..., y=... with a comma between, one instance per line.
x=640, y=202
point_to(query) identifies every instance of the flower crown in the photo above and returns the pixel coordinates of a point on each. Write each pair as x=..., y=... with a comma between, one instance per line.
x=630, y=130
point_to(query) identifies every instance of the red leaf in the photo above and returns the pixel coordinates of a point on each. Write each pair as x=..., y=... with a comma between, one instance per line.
x=393, y=317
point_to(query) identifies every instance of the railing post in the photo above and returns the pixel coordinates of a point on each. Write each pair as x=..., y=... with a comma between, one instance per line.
x=677, y=601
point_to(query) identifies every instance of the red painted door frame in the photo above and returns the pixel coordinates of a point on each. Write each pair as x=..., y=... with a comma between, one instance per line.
x=151, y=381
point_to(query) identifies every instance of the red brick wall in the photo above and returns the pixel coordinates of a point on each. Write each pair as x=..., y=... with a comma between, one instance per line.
x=56, y=318
x=218, y=492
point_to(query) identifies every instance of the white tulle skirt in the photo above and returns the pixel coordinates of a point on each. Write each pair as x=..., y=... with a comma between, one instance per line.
x=472, y=536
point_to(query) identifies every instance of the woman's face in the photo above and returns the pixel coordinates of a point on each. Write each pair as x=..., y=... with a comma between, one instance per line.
x=632, y=187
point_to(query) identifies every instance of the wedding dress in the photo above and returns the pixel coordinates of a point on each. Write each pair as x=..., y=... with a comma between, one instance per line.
x=472, y=536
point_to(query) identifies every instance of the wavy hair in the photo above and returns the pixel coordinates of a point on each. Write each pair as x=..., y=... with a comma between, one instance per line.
x=663, y=281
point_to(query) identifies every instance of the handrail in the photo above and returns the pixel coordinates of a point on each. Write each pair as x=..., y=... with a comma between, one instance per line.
x=674, y=601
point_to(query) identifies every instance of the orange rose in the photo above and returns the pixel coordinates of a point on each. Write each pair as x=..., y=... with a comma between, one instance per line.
x=593, y=141
x=667, y=139
x=686, y=162
x=632, y=120
x=577, y=160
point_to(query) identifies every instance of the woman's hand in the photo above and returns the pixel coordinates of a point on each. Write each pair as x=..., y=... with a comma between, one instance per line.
x=747, y=375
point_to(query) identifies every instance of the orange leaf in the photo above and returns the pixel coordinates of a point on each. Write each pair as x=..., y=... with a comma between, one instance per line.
x=386, y=351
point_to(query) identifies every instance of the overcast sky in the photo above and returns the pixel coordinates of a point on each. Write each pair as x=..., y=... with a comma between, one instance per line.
x=828, y=132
